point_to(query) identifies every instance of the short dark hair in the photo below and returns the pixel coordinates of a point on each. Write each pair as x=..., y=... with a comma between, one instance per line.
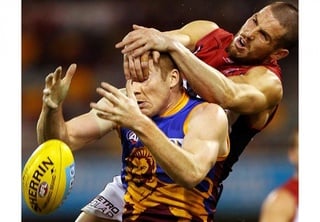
x=287, y=15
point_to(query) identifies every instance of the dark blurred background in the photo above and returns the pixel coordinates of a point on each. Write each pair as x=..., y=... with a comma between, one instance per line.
x=58, y=33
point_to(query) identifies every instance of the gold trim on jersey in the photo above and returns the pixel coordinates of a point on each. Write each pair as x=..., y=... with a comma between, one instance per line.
x=177, y=107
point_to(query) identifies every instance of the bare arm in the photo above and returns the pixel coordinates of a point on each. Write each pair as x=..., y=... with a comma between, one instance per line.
x=192, y=32
x=51, y=124
x=279, y=206
x=257, y=90
x=200, y=148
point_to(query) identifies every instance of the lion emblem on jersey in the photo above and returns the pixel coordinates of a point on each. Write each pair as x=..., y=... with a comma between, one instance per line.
x=141, y=167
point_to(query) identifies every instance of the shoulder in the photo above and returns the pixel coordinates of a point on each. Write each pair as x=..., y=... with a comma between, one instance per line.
x=209, y=112
x=197, y=29
x=201, y=24
x=264, y=80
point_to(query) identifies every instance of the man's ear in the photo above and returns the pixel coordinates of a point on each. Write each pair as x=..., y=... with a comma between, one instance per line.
x=280, y=54
x=174, y=78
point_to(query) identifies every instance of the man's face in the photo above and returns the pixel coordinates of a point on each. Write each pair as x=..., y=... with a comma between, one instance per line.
x=257, y=38
x=153, y=94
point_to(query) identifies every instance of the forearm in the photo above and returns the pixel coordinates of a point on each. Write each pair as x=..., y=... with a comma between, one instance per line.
x=184, y=39
x=207, y=81
x=51, y=125
x=179, y=164
x=192, y=32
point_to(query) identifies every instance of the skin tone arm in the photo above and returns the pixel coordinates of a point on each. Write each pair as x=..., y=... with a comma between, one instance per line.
x=279, y=206
x=244, y=94
x=51, y=123
x=200, y=149
x=235, y=93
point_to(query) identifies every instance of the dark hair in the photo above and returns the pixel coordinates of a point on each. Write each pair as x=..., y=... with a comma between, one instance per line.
x=287, y=15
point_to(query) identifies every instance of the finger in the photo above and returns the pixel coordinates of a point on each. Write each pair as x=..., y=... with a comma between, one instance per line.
x=145, y=65
x=129, y=90
x=126, y=69
x=125, y=41
x=111, y=93
x=132, y=69
x=108, y=96
x=57, y=74
x=70, y=72
x=123, y=91
x=135, y=27
x=138, y=69
x=49, y=80
x=136, y=44
x=138, y=51
x=46, y=92
x=113, y=90
x=128, y=39
x=156, y=56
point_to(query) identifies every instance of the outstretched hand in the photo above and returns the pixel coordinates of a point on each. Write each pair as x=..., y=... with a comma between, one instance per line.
x=119, y=107
x=56, y=87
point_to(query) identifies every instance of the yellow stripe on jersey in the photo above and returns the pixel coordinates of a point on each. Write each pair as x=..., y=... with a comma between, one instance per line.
x=181, y=103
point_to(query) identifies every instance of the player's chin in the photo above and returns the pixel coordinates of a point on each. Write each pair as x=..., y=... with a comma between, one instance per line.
x=146, y=112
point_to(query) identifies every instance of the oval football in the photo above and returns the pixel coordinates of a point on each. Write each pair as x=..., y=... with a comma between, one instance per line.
x=48, y=176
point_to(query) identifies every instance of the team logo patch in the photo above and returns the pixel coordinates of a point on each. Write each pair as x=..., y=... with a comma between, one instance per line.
x=132, y=137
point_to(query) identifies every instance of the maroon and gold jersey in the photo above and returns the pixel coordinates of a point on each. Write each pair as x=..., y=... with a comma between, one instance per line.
x=151, y=195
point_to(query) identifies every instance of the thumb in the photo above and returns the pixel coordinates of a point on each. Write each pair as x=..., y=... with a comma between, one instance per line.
x=70, y=72
x=129, y=89
x=135, y=27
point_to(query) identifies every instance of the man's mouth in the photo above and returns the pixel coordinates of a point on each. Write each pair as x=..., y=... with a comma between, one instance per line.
x=140, y=104
x=240, y=42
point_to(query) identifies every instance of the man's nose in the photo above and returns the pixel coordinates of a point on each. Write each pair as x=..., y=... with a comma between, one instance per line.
x=136, y=87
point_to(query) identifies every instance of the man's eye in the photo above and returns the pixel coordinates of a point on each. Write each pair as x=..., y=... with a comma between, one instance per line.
x=265, y=36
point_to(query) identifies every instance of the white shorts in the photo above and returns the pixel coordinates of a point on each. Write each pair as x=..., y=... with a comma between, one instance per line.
x=109, y=203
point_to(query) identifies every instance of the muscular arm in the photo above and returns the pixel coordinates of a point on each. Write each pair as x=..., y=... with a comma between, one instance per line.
x=51, y=124
x=189, y=164
x=257, y=90
x=76, y=132
x=192, y=32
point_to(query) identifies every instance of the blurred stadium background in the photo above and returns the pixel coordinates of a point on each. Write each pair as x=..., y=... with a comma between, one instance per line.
x=62, y=32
